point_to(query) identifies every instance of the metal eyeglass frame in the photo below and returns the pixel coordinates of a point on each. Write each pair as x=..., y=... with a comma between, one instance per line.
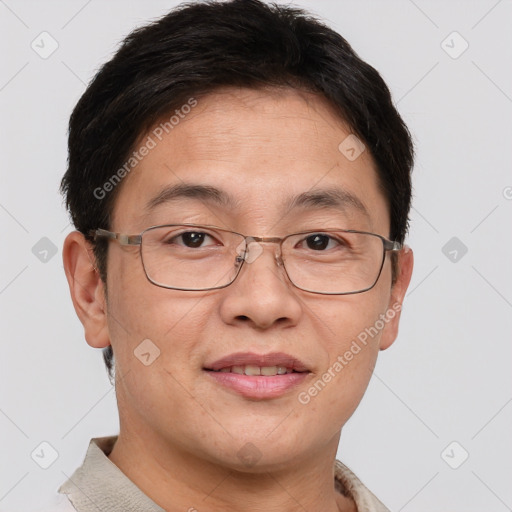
x=123, y=239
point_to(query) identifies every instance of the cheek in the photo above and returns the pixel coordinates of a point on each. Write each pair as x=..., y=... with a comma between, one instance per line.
x=157, y=351
x=136, y=306
x=144, y=318
x=335, y=393
x=351, y=331
x=174, y=323
x=345, y=319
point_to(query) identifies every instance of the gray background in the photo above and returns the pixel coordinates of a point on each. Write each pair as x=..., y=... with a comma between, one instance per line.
x=446, y=379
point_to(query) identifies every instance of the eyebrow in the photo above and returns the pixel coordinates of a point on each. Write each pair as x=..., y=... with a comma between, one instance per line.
x=334, y=197
x=191, y=191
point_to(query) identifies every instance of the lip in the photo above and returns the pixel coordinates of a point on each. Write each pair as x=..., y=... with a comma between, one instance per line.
x=258, y=387
x=250, y=358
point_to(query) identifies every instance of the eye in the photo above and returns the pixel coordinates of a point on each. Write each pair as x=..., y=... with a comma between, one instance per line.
x=320, y=242
x=192, y=239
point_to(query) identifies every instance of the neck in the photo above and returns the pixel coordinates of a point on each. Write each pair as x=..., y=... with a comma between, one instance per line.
x=179, y=481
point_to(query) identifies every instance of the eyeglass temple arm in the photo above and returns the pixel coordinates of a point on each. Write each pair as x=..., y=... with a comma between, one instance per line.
x=390, y=245
x=120, y=237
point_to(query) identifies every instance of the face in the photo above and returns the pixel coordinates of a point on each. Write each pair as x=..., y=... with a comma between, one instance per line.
x=261, y=149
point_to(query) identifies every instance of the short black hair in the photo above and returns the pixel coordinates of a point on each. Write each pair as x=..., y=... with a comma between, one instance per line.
x=203, y=46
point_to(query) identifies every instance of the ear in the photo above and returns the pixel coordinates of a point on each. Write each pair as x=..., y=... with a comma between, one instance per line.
x=405, y=265
x=86, y=288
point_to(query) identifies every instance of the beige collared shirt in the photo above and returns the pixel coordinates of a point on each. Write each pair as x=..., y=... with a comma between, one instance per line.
x=98, y=485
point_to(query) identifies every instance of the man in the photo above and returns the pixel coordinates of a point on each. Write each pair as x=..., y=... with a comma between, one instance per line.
x=240, y=184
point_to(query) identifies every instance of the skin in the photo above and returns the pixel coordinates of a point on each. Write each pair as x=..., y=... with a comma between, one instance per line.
x=180, y=431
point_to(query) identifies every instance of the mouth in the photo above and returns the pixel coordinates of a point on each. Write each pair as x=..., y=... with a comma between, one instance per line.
x=258, y=376
x=240, y=362
x=253, y=370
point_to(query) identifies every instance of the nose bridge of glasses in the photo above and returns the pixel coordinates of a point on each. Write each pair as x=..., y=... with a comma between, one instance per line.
x=253, y=248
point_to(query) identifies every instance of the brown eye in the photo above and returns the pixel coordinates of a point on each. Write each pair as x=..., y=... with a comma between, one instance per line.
x=317, y=242
x=191, y=239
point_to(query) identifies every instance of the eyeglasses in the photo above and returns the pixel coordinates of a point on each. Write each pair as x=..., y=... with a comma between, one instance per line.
x=192, y=257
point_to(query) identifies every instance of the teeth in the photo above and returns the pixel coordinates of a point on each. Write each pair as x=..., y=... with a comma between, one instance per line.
x=253, y=370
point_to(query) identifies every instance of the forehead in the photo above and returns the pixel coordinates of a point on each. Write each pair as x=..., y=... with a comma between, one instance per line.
x=263, y=150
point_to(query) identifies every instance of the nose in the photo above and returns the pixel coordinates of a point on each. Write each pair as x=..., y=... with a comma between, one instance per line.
x=261, y=296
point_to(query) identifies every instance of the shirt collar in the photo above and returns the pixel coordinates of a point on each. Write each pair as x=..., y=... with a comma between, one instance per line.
x=99, y=485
